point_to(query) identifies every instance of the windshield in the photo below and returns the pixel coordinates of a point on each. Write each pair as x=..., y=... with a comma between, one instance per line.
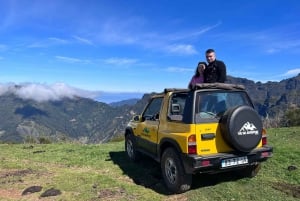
x=213, y=104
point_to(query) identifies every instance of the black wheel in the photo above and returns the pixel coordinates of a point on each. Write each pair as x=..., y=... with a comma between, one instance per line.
x=241, y=128
x=173, y=172
x=130, y=148
x=250, y=171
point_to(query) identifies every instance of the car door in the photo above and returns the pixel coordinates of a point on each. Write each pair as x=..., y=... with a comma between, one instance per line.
x=147, y=130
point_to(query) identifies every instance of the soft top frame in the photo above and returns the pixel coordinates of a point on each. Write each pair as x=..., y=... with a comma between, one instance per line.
x=216, y=85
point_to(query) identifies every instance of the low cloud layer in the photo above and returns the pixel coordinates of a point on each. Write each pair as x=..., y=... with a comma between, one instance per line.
x=293, y=72
x=44, y=92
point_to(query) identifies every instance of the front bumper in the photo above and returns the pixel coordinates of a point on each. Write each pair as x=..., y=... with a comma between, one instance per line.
x=213, y=163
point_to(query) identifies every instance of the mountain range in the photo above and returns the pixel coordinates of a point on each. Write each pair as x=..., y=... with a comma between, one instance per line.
x=88, y=121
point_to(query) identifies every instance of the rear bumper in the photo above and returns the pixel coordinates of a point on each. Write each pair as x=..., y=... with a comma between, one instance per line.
x=213, y=163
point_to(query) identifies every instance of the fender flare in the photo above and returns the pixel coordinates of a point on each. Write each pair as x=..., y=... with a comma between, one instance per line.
x=165, y=143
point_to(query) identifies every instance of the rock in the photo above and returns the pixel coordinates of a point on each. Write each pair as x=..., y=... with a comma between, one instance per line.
x=292, y=167
x=51, y=192
x=32, y=189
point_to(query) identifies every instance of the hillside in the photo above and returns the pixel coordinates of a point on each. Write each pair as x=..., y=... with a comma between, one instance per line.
x=103, y=172
x=272, y=98
x=78, y=119
x=88, y=121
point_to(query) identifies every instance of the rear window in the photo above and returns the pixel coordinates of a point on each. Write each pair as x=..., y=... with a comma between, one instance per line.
x=212, y=105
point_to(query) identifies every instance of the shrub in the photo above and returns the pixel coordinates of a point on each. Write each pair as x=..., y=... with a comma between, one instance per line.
x=292, y=117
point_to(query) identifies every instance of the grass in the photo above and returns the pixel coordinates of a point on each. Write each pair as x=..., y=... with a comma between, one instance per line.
x=103, y=172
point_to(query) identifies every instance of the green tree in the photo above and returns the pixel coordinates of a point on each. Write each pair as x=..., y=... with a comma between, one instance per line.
x=292, y=117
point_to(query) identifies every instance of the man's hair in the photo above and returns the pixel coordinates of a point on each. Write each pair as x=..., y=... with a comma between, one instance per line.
x=209, y=51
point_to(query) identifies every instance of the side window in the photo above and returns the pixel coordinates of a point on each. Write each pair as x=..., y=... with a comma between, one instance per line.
x=176, y=106
x=153, y=109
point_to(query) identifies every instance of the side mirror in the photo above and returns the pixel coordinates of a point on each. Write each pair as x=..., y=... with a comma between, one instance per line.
x=137, y=118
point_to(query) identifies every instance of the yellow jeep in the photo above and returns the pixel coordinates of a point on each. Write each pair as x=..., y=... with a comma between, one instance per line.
x=208, y=129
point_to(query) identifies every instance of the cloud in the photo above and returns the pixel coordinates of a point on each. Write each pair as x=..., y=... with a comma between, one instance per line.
x=51, y=41
x=72, y=60
x=83, y=40
x=279, y=45
x=271, y=41
x=134, y=31
x=182, y=49
x=58, y=40
x=3, y=47
x=178, y=70
x=120, y=61
x=292, y=72
x=122, y=31
x=54, y=41
x=193, y=34
x=43, y=92
x=272, y=50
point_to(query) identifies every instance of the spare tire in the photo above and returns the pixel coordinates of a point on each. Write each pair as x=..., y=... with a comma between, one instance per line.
x=241, y=127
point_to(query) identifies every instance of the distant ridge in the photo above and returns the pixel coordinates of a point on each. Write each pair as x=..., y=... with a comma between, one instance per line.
x=115, y=97
x=88, y=121
x=272, y=98
x=128, y=102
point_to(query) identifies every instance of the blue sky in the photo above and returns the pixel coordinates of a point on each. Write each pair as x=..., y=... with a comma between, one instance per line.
x=145, y=46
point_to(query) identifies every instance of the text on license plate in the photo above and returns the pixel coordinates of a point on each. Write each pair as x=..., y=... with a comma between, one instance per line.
x=234, y=161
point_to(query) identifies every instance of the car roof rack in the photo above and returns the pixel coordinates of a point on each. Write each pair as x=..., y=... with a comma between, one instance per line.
x=175, y=89
x=218, y=85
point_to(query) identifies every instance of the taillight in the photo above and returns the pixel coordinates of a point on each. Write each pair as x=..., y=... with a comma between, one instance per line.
x=264, y=137
x=205, y=163
x=192, y=145
x=265, y=154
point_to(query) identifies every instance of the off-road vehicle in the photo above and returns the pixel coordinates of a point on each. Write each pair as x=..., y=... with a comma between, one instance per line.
x=208, y=129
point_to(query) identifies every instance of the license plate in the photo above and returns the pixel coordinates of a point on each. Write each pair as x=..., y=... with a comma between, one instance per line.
x=234, y=161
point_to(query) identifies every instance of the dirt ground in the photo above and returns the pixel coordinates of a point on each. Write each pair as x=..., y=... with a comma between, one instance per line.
x=13, y=177
x=289, y=189
x=12, y=180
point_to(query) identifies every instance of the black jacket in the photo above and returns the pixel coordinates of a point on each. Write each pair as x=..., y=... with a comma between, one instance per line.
x=215, y=72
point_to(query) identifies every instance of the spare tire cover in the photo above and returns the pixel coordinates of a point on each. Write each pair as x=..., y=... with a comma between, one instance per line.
x=242, y=128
